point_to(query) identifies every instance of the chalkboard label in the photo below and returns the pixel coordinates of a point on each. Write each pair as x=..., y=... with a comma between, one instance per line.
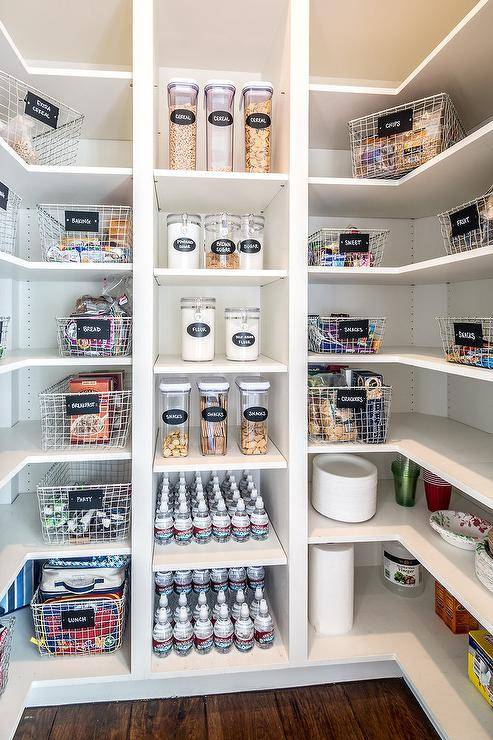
x=4, y=196
x=354, y=243
x=74, y=619
x=214, y=414
x=353, y=329
x=198, y=329
x=350, y=398
x=465, y=220
x=82, y=221
x=243, y=339
x=468, y=334
x=223, y=246
x=395, y=123
x=98, y=329
x=258, y=120
x=78, y=404
x=182, y=117
x=256, y=413
x=184, y=244
x=175, y=416
x=41, y=109
x=91, y=498
x=220, y=118
x=1, y=330
x=250, y=246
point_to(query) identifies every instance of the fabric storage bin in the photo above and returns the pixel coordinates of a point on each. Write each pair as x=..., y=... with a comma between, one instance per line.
x=85, y=233
x=344, y=487
x=4, y=325
x=395, y=141
x=85, y=502
x=347, y=247
x=469, y=225
x=94, y=336
x=6, y=634
x=354, y=335
x=467, y=340
x=10, y=204
x=39, y=128
x=21, y=590
x=349, y=414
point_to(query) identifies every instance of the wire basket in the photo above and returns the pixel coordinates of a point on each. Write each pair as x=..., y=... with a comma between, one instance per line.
x=90, y=419
x=41, y=129
x=467, y=340
x=94, y=336
x=395, y=141
x=347, y=247
x=469, y=225
x=5, y=648
x=82, y=503
x=85, y=233
x=4, y=326
x=10, y=204
x=355, y=335
x=103, y=618
x=351, y=414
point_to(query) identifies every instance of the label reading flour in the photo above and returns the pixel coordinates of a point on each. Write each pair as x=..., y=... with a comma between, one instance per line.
x=468, y=334
x=403, y=571
x=243, y=339
x=82, y=221
x=395, y=123
x=198, y=330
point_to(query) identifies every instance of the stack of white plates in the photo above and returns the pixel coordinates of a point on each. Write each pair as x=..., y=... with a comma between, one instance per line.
x=344, y=487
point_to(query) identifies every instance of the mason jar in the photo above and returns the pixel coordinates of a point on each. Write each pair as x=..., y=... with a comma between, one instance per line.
x=182, y=134
x=242, y=333
x=221, y=241
x=197, y=322
x=174, y=412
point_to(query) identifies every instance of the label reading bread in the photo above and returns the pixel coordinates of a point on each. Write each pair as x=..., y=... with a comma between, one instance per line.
x=96, y=329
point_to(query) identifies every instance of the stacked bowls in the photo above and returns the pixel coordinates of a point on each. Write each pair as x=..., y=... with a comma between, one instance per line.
x=344, y=487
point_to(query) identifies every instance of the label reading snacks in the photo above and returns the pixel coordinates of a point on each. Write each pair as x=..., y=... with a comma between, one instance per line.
x=198, y=329
x=350, y=398
x=82, y=221
x=4, y=196
x=78, y=404
x=220, y=118
x=354, y=243
x=395, y=123
x=468, y=334
x=357, y=329
x=78, y=619
x=214, y=414
x=41, y=109
x=250, y=246
x=256, y=413
x=465, y=220
x=223, y=246
x=182, y=117
x=258, y=120
x=85, y=500
x=98, y=329
x=175, y=416
x=243, y=339
x=184, y=244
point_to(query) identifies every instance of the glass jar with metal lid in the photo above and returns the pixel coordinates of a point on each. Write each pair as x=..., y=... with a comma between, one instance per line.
x=242, y=333
x=182, y=135
x=251, y=242
x=221, y=241
x=174, y=411
x=197, y=322
x=184, y=240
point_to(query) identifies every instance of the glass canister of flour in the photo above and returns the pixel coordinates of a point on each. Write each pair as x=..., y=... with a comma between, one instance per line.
x=251, y=242
x=197, y=322
x=221, y=249
x=242, y=333
x=184, y=240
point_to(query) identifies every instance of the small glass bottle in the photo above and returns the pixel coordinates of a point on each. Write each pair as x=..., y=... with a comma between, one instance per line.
x=219, y=107
x=182, y=136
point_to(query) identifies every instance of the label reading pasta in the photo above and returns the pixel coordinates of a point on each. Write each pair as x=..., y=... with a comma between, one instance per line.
x=41, y=109
x=82, y=403
x=73, y=619
x=350, y=398
x=96, y=329
x=86, y=499
x=4, y=196
x=395, y=123
x=464, y=221
x=353, y=329
x=82, y=221
x=468, y=334
x=354, y=243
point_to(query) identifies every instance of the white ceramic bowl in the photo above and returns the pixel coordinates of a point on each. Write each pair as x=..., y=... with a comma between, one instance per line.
x=460, y=528
x=483, y=563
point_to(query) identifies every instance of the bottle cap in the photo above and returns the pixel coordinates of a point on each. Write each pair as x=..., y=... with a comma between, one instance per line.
x=244, y=611
x=183, y=507
x=223, y=611
x=240, y=506
x=259, y=504
x=259, y=594
x=182, y=601
x=203, y=613
x=202, y=506
x=240, y=596
x=183, y=616
x=163, y=600
x=221, y=597
x=263, y=607
x=202, y=600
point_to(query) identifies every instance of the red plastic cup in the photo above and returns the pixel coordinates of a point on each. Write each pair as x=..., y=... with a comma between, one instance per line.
x=437, y=497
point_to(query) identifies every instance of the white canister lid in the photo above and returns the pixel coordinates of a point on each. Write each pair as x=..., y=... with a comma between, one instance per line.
x=212, y=383
x=249, y=383
x=219, y=83
x=345, y=466
x=258, y=85
x=174, y=383
x=183, y=81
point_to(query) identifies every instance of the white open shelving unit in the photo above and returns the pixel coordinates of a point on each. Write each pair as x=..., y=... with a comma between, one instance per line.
x=441, y=413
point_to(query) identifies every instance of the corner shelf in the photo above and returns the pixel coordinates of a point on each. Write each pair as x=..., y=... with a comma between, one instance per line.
x=169, y=276
x=22, y=358
x=16, y=268
x=220, y=364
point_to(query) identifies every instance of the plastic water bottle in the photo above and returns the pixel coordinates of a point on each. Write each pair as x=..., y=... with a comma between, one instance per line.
x=214, y=501
x=163, y=524
x=238, y=603
x=256, y=576
x=259, y=521
x=221, y=523
x=183, y=581
x=233, y=503
x=223, y=631
x=240, y=523
x=196, y=502
x=244, y=631
x=212, y=482
x=250, y=502
x=201, y=601
x=203, y=632
x=183, y=529
x=162, y=637
x=201, y=580
x=255, y=605
x=264, y=627
x=163, y=604
x=182, y=604
x=202, y=525
x=164, y=581
x=237, y=578
x=246, y=478
x=183, y=634
x=219, y=579
x=220, y=600
x=181, y=499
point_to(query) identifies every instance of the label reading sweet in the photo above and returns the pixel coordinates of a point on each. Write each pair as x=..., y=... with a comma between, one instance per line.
x=184, y=244
x=98, y=329
x=182, y=117
x=405, y=572
x=214, y=414
x=82, y=403
x=4, y=196
x=243, y=339
x=175, y=416
x=220, y=118
x=41, y=109
x=468, y=334
x=73, y=619
x=198, y=329
x=395, y=123
x=250, y=246
x=223, y=246
x=82, y=221
x=359, y=243
x=256, y=413
x=350, y=398
x=258, y=120
x=353, y=329
x=84, y=500
x=464, y=221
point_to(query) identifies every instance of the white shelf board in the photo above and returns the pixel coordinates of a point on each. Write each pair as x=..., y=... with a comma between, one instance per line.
x=208, y=192
x=233, y=460
x=453, y=177
x=20, y=445
x=428, y=358
x=16, y=268
x=432, y=659
x=170, y=276
x=457, y=452
x=22, y=540
x=220, y=364
x=410, y=526
x=20, y=358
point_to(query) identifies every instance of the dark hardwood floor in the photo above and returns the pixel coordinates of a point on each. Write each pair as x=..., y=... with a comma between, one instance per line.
x=363, y=710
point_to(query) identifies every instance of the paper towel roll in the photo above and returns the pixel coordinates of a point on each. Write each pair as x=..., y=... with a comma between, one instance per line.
x=331, y=588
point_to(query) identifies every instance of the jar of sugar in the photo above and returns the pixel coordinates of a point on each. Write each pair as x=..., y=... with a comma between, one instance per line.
x=197, y=322
x=220, y=236
x=251, y=242
x=184, y=240
x=242, y=333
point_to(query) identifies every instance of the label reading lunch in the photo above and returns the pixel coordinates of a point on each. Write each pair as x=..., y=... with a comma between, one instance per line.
x=395, y=123
x=465, y=220
x=243, y=339
x=468, y=334
x=82, y=403
x=41, y=109
x=4, y=196
x=175, y=416
x=256, y=413
x=357, y=329
x=250, y=246
x=85, y=500
x=258, y=120
x=223, y=246
x=82, y=221
x=93, y=329
x=184, y=244
x=198, y=329
x=220, y=118
x=354, y=243
x=182, y=117
x=349, y=398
x=214, y=414
x=78, y=619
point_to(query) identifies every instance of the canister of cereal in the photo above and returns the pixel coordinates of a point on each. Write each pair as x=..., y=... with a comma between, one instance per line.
x=219, y=108
x=257, y=109
x=174, y=394
x=182, y=137
x=253, y=414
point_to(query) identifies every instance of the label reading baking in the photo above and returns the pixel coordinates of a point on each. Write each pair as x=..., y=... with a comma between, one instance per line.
x=256, y=413
x=82, y=221
x=182, y=117
x=4, y=196
x=93, y=329
x=395, y=123
x=73, y=619
x=405, y=572
x=353, y=329
x=82, y=403
x=214, y=414
x=465, y=220
x=223, y=246
x=198, y=329
x=220, y=118
x=350, y=398
x=243, y=339
x=468, y=334
x=354, y=243
x=258, y=120
x=250, y=246
x=41, y=109
x=175, y=416
x=85, y=500
x=184, y=244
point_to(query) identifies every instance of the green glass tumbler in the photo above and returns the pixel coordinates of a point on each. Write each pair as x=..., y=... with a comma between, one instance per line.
x=405, y=483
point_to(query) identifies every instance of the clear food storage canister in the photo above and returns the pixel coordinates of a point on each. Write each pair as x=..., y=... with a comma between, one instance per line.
x=219, y=107
x=174, y=413
x=184, y=240
x=197, y=322
x=253, y=413
x=221, y=241
x=251, y=242
x=242, y=333
x=182, y=137
x=257, y=107
x=213, y=392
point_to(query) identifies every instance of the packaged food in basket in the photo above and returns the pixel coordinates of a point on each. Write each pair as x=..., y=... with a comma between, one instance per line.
x=480, y=663
x=6, y=631
x=469, y=225
x=18, y=133
x=467, y=340
x=349, y=247
x=339, y=333
x=89, y=419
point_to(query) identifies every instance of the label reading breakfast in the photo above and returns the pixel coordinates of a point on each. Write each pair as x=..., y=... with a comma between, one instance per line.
x=402, y=571
x=182, y=117
x=97, y=329
x=41, y=109
x=395, y=123
x=468, y=334
x=4, y=196
x=198, y=329
x=214, y=414
x=350, y=398
x=175, y=416
x=354, y=243
x=85, y=500
x=82, y=403
x=82, y=221
x=223, y=246
x=184, y=244
x=220, y=118
x=243, y=339
x=78, y=619
x=256, y=413
x=464, y=221
x=258, y=120
x=353, y=329
x=250, y=246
